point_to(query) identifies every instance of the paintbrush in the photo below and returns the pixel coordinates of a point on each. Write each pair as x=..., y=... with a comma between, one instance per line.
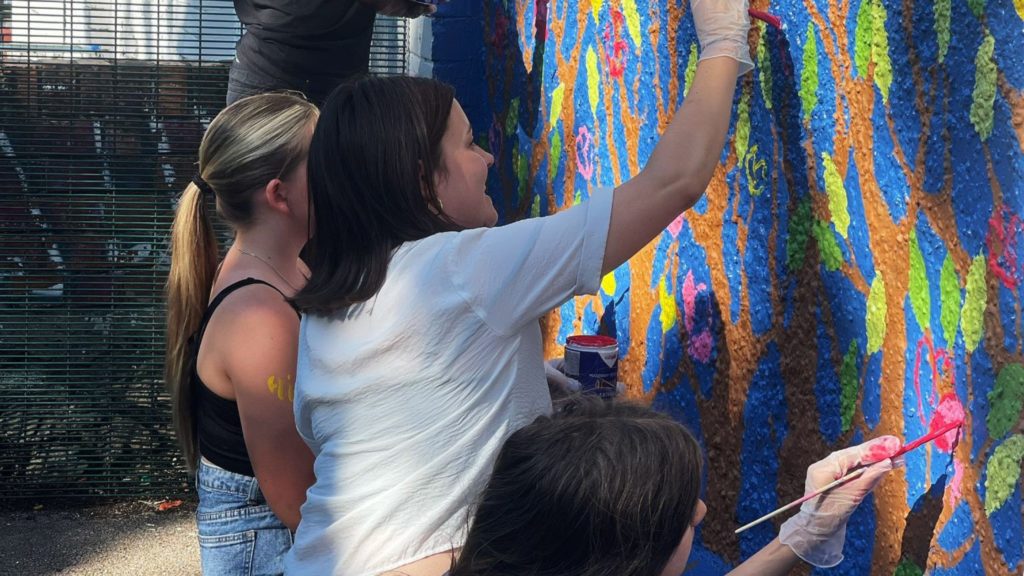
x=853, y=475
x=770, y=19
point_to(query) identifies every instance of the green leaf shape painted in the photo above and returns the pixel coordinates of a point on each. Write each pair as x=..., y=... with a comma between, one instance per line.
x=985, y=76
x=943, y=11
x=871, y=44
x=828, y=248
x=920, y=297
x=556, y=155
x=907, y=567
x=691, y=68
x=862, y=38
x=949, y=288
x=809, y=74
x=764, y=65
x=837, y=201
x=1006, y=400
x=512, y=120
x=880, y=51
x=593, y=81
x=522, y=166
x=877, y=309
x=632, y=21
x=977, y=7
x=798, y=233
x=557, y=95
x=972, y=318
x=1003, y=473
x=743, y=127
x=535, y=207
x=849, y=380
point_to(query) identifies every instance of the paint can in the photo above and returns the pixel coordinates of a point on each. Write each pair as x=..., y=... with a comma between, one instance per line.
x=593, y=361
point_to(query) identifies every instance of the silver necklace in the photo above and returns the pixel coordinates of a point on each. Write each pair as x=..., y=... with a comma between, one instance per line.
x=271, y=266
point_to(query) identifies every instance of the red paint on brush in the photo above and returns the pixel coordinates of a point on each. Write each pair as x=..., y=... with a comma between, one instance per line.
x=769, y=19
x=950, y=428
x=950, y=411
x=885, y=448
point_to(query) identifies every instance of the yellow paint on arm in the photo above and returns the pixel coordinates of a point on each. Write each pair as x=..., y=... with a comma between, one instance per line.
x=283, y=388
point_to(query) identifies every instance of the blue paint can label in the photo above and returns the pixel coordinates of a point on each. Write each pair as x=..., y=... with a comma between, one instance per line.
x=594, y=362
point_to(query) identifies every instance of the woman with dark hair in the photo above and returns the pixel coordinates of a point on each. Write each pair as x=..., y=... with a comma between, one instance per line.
x=420, y=350
x=606, y=489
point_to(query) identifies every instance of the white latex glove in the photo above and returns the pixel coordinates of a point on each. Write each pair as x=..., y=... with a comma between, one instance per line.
x=722, y=27
x=817, y=533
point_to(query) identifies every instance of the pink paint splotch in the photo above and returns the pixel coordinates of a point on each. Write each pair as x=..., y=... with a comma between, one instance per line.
x=955, y=484
x=700, y=345
x=950, y=411
x=677, y=225
x=1004, y=238
x=584, y=153
x=942, y=366
x=616, y=48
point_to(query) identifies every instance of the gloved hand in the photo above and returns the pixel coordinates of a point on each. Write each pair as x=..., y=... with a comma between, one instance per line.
x=561, y=385
x=722, y=27
x=816, y=534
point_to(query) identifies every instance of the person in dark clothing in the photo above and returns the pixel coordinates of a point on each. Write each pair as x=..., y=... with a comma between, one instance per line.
x=307, y=45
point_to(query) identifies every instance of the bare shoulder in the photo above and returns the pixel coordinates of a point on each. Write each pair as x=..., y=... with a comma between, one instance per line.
x=257, y=307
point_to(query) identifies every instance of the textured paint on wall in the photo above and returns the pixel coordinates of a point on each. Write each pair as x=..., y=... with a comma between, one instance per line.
x=855, y=268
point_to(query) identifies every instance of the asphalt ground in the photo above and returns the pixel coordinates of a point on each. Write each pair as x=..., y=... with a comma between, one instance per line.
x=131, y=538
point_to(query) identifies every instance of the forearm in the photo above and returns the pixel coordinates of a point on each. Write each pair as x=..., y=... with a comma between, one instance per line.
x=680, y=167
x=688, y=152
x=774, y=559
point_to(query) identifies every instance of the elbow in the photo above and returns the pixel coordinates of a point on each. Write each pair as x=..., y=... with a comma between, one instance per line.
x=682, y=190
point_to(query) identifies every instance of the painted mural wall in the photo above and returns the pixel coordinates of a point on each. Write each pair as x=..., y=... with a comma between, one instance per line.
x=855, y=269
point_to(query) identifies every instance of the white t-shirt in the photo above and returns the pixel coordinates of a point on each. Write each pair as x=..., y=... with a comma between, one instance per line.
x=406, y=399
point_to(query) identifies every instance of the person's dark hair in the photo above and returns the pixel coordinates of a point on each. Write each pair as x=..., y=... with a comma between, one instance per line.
x=372, y=163
x=603, y=490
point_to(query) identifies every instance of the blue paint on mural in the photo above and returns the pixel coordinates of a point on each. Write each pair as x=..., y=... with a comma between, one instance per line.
x=872, y=391
x=1006, y=524
x=826, y=387
x=652, y=367
x=858, y=232
x=958, y=529
x=764, y=424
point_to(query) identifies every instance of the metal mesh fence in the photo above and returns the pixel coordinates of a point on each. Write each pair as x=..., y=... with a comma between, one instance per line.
x=102, y=107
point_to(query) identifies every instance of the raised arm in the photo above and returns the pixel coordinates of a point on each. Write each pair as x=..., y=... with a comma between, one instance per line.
x=684, y=160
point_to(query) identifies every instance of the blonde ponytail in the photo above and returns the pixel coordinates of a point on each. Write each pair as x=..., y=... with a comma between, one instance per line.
x=194, y=255
x=248, y=144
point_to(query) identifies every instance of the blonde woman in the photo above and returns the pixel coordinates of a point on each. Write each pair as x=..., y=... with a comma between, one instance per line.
x=232, y=333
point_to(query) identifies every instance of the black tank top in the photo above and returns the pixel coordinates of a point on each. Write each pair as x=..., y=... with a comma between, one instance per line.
x=304, y=41
x=218, y=424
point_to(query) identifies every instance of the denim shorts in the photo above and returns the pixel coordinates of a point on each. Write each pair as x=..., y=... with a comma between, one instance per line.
x=238, y=533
